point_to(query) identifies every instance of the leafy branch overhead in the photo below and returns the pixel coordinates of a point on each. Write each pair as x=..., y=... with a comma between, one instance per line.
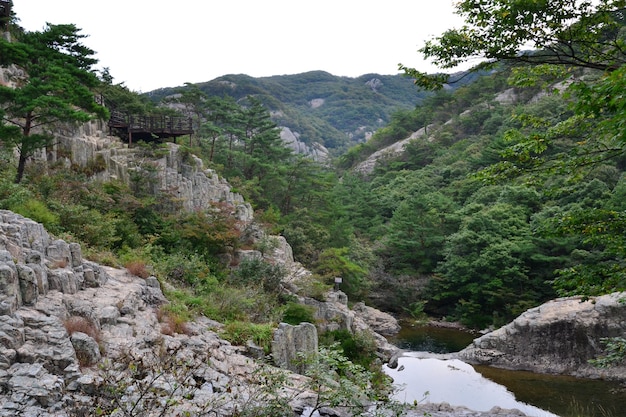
x=573, y=33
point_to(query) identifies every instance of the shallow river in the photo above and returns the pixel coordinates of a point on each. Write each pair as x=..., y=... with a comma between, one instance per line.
x=481, y=388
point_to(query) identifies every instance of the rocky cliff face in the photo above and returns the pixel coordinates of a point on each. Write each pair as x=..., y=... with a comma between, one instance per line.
x=172, y=172
x=557, y=337
x=316, y=151
x=366, y=167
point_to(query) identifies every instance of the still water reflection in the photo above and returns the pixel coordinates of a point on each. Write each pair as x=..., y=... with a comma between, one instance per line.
x=482, y=387
x=456, y=383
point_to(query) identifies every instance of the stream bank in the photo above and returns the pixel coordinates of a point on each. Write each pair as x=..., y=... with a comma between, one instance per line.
x=431, y=364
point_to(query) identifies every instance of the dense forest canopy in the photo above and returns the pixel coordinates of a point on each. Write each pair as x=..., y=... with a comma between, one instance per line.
x=512, y=195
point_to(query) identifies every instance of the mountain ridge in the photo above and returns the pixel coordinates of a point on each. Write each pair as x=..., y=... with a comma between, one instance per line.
x=318, y=107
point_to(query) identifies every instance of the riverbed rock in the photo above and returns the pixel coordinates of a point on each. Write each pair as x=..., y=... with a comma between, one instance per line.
x=333, y=314
x=558, y=337
x=379, y=321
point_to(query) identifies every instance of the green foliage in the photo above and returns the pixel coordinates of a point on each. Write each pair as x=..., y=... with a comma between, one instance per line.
x=12, y=195
x=418, y=230
x=359, y=348
x=259, y=273
x=314, y=286
x=57, y=87
x=296, y=313
x=208, y=233
x=574, y=34
x=616, y=351
x=338, y=383
x=90, y=226
x=37, y=210
x=240, y=333
x=347, y=104
x=486, y=265
x=186, y=270
x=336, y=262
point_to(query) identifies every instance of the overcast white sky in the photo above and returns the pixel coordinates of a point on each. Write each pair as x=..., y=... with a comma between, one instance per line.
x=148, y=44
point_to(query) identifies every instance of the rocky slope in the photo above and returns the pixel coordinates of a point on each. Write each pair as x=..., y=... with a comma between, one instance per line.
x=71, y=331
x=76, y=336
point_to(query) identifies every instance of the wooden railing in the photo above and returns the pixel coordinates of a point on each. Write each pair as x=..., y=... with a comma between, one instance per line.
x=146, y=127
x=155, y=124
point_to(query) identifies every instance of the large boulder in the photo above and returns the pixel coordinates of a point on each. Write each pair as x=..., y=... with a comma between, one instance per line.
x=558, y=337
x=378, y=321
x=292, y=344
x=334, y=314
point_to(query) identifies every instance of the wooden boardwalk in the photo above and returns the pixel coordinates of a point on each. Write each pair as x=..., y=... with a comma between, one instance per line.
x=147, y=128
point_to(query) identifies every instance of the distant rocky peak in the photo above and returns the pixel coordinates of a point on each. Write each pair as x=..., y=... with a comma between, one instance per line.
x=316, y=102
x=374, y=84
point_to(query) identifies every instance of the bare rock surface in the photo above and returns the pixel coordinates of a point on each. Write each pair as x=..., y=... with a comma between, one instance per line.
x=47, y=356
x=558, y=337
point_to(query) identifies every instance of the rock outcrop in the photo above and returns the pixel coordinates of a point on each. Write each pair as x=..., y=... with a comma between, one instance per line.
x=334, y=314
x=72, y=330
x=169, y=171
x=366, y=167
x=315, y=151
x=62, y=314
x=558, y=337
x=291, y=345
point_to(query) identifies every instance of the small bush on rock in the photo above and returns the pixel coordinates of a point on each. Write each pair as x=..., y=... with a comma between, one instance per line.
x=173, y=320
x=239, y=333
x=296, y=313
x=138, y=269
x=83, y=325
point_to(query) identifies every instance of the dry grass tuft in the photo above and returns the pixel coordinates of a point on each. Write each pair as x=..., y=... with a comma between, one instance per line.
x=172, y=323
x=138, y=269
x=83, y=325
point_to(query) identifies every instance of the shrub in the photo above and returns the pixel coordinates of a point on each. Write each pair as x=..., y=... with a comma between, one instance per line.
x=138, y=268
x=239, y=333
x=209, y=233
x=89, y=225
x=360, y=348
x=190, y=270
x=11, y=194
x=173, y=319
x=37, y=211
x=336, y=262
x=260, y=273
x=337, y=382
x=314, y=287
x=296, y=313
x=226, y=303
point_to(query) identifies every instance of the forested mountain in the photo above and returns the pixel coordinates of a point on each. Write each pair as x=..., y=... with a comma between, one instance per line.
x=334, y=111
